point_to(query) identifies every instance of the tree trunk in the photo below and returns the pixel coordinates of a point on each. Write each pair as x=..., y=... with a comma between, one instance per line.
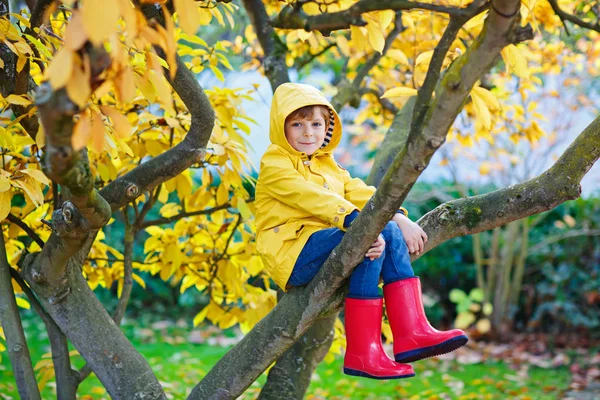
x=18, y=352
x=122, y=370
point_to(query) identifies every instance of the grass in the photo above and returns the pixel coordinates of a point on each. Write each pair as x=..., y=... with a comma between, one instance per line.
x=179, y=366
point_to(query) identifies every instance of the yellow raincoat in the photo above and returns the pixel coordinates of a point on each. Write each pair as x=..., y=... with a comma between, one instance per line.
x=297, y=195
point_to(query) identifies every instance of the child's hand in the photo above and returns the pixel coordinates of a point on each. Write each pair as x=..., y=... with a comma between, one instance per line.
x=414, y=235
x=377, y=248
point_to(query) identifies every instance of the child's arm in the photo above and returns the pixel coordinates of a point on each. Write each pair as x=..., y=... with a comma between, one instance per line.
x=414, y=236
x=283, y=182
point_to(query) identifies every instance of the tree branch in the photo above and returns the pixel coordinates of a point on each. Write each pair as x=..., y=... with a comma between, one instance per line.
x=128, y=271
x=295, y=18
x=18, y=352
x=350, y=93
x=66, y=382
x=34, y=236
x=174, y=161
x=564, y=16
x=570, y=234
x=555, y=186
x=167, y=220
x=308, y=58
x=274, y=61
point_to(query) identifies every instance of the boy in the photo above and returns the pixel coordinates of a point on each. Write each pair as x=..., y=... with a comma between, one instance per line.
x=304, y=203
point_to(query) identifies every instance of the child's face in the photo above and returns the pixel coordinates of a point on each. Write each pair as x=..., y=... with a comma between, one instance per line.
x=306, y=134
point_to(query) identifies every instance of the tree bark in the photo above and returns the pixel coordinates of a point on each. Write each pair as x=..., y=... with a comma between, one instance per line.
x=18, y=352
x=66, y=380
x=122, y=370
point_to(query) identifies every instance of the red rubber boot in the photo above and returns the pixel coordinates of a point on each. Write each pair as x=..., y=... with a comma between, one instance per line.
x=364, y=352
x=414, y=338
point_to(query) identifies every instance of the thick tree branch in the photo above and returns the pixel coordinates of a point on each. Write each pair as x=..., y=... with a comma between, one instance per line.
x=18, y=352
x=555, y=186
x=66, y=381
x=37, y=13
x=295, y=18
x=274, y=49
x=564, y=16
x=174, y=161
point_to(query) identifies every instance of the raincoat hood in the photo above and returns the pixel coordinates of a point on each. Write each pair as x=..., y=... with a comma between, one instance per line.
x=289, y=97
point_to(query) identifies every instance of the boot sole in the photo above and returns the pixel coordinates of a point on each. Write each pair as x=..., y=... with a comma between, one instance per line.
x=431, y=351
x=355, y=372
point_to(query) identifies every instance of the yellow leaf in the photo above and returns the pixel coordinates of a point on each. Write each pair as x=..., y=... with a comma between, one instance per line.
x=485, y=168
x=129, y=16
x=61, y=68
x=385, y=18
x=398, y=55
x=4, y=183
x=464, y=320
x=342, y=44
x=222, y=194
x=4, y=204
x=81, y=132
x=424, y=58
x=78, y=87
x=139, y=280
x=171, y=49
x=483, y=326
x=75, y=34
x=37, y=175
x=100, y=19
x=40, y=137
x=187, y=12
x=515, y=61
x=97, y=129
x=375, y=35
x=401, y=91
x=19, y=100
x=475, y=21
x=125, y=85
x=304, y=35
x=200, y=316
x=163, y=91
x=154, y=147
x=358, y=38
x=569, y=220
x=1, y=63
x=31, y=189
x=487, y=96
x=244, y=209
x=205, y=16
x=482, y=111
x=120, y=123
x=21, y=302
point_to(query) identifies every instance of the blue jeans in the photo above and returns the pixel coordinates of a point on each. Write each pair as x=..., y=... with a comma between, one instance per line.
x=392, y=266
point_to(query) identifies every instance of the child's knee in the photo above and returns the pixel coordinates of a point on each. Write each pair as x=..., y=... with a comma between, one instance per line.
x=391, y=229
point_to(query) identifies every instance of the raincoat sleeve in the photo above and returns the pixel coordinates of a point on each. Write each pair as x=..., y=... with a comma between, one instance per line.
x=283, y=182
x=358, y=192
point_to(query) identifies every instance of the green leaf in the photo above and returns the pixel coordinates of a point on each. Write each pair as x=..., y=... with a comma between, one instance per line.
x=457, y=295
x=476, y=295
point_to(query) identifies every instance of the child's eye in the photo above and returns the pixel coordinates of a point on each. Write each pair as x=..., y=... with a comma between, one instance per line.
x=296, y=124
x=317, y=124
